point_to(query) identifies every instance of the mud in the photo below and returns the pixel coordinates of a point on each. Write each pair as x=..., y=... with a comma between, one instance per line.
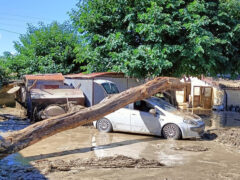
x=228, y=136
x=16, y=172
x=119, y=161
x=191, y=148
x=84, y=153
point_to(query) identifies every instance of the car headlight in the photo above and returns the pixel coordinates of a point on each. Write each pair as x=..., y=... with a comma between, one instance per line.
x=190, y=121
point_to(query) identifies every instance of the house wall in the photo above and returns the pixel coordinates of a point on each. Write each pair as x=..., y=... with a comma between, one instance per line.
x=218, y=97
x=233, y=97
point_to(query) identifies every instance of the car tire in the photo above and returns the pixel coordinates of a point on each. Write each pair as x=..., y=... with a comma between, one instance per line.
x=171, y=131
x=104, y=125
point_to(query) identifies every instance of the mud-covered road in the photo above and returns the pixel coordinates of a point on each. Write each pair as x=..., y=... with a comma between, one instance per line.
x=84, y=153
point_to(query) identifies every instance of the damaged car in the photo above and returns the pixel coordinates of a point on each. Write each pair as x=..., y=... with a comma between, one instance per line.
x=153, y=116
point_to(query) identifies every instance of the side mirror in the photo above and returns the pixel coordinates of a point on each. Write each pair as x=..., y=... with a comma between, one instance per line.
x=153, y=112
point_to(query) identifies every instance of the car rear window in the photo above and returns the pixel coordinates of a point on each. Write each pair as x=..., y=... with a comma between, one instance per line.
x=110, y=88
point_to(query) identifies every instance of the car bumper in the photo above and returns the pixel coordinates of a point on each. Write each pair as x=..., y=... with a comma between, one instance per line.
x=199, y=129
x=194, y=131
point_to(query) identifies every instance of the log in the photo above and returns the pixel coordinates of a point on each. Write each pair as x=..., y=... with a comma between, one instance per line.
x=43, y=129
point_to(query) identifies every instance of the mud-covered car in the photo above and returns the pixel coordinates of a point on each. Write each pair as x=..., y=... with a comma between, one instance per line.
x=153, y=116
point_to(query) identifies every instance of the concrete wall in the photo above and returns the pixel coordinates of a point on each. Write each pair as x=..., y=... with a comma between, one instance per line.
x=218, y=97
x=233, y=97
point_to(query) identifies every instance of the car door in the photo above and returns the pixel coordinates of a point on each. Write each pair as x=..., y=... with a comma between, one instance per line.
x=142, y=121
x=120, y=120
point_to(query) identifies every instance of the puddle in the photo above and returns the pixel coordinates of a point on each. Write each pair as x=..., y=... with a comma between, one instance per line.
x=220, y=119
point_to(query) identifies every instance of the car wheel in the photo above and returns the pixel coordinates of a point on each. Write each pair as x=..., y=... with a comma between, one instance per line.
x=171, y=131
x=104, y=125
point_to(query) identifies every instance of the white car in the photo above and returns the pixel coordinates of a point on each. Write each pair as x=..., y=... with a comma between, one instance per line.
x=153, y=116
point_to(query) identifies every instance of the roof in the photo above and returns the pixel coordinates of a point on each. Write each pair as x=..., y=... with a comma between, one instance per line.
x=229, y=84
x=223, y=83
x=56, y=93
x=45, y=77
x=94, y=75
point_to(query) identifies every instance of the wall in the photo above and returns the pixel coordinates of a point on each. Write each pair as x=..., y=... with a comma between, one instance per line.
x=233, y=97
x=218, y=97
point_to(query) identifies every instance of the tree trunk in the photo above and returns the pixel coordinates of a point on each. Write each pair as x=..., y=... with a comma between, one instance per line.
x=43, y=129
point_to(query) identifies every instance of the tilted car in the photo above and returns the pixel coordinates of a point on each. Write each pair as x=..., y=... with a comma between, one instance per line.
x=153, y=116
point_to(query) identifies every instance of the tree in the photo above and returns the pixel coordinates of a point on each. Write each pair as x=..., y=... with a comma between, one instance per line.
x=46, y=49
x=43, y=129
x=159, y=37
x=4, y=70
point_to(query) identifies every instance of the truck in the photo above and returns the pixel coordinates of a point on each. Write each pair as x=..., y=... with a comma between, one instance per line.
x=48, y=95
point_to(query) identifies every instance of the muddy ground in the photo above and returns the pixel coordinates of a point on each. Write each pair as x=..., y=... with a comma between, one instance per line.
x=84, y=153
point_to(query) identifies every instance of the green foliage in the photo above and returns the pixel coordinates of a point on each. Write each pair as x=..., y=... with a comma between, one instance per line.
x=46, y=49
x=159, y=37
x=4, y=70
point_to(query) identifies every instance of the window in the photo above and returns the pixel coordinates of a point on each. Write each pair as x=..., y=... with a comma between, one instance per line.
x=197, y=91
x=110, y=88
x=142, y=106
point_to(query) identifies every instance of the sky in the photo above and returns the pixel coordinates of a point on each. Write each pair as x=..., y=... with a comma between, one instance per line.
x=15, y=14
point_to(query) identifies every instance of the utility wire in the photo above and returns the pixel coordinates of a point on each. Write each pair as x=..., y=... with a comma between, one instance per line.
x=13, y=25
x=18, y=20
x=29, y=17
x=6, y=30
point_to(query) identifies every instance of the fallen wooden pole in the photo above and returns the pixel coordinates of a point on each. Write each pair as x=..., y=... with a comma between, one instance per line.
x=43, y=129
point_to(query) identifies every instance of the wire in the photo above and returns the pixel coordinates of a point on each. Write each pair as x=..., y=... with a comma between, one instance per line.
x=10, y=31
x=13, y=25
x=29, y=17
x=18, y=20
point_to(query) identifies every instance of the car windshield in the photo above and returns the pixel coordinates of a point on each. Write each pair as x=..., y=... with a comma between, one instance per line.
x=163, y=104
x=110, y=88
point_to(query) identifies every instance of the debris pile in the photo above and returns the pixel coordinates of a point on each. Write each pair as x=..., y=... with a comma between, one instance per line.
x=224, y=136
x=229, y=137
x=119, y=161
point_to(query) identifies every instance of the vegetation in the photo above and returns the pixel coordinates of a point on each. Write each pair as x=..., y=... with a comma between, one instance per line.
x=4, y=70
x=159, y=37
x=44, y=49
